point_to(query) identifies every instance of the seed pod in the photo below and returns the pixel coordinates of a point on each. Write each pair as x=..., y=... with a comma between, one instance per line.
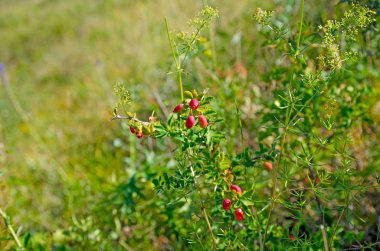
x=178, y=108
x=194, y=104
x=239, y=214
x=190, y=122
x=202, y=121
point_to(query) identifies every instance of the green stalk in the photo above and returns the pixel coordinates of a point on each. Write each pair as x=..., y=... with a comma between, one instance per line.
x=10, y=228
x=253, y=211
x=288, y=121
x=300, y=28
x=274, y=188
x=177, y=63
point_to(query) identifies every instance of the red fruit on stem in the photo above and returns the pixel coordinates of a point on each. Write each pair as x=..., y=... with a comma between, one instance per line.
x=132, y=129
x=236, y=188
x=202, y=121
x=228, y=171
x=194, y=104
x=178, y=108
x=239, y=214
x=226, y=204
x=190, y=122
x=268, y=165
x=139, y=135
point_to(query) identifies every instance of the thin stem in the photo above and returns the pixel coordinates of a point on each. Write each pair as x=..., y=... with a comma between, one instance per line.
x=274, y=188
x=300, y=28
x=321, y=218
x=204, y=209
x=178, y=65
x=209, y=227
x=171, y=44
x=324, y=236
x=321, y=215
x=240, y=124
x=253, y=211
x=283, y=138
x=10, y=228
x=339, y=219
x=192, y=41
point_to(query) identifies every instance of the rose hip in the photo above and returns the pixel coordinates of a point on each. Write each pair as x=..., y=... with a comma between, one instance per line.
x=194, y=104
x=226, y=204
x=239, y=214
x=236, y=188
x=139, y=135
x=190, y=122
x=178, y=108
x=202, y=121
x=132, y=129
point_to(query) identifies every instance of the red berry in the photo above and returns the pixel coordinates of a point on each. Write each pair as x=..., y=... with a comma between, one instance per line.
x=239, y=214
x=132, y=129
x=226, y=204
x=178, y=108
x=139, y=135
x=194, y=104
x=236, y=188
x=228, y=171
x=292, y=237
x=268, y=165
x=202, y=121
x=190, y=122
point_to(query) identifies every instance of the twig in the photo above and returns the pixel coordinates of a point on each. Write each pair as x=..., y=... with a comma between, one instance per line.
x=117, y=116
x=161, y=104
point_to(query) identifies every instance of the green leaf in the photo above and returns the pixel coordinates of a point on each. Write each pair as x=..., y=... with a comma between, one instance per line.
x=247, y=202
x=188, y=94
x=25, y=239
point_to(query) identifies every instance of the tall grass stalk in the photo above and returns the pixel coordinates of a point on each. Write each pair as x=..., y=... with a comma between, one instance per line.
x=7, y=223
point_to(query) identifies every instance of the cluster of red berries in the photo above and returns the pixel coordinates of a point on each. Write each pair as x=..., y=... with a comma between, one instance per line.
x=190, y=121
x=139, y=133
x=239, y=213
